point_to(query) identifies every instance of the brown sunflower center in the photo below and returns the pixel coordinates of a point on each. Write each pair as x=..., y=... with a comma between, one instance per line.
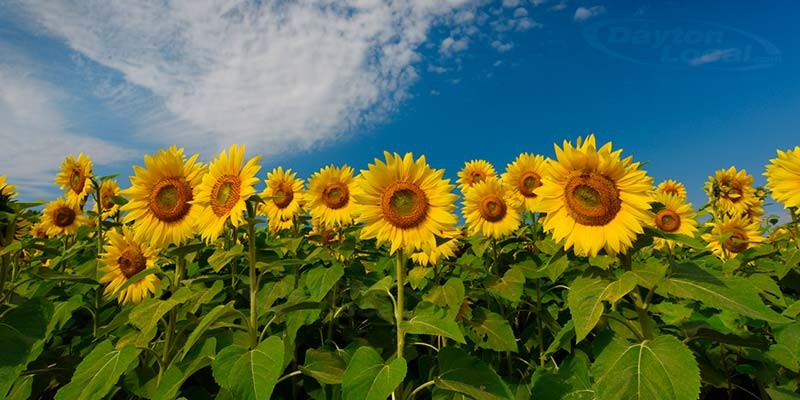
x=105, y=199
x=668, y=221
x=732, y=191
x=404, y=205
x=131, y=262
x=77, y=179
x=592, y=199
x=284, y=195
x=493, y=208
x=225, y=194
x=64, y=216
x=528, y=182
x=673, y=191
x=737, y=243
x=169, y=199
x=476, y=176
x=336, y=195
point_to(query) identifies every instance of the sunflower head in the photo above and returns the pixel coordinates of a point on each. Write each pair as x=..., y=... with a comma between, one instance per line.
x=125, y=257
x=730, y=236
x=783, y=177
x=446, y=248
x=108, y=189
x=283, y=198
x=230, y=181
x=730, y=191
x=676, y=217
x=75, y=177
x=161, y=195
x=405, y=202
x=491, y=210
x=329, y=196
x=473, y=172
x=672, y=187
x=523, y=177
x=594, y=199
x=61, y=218
x=7, y=191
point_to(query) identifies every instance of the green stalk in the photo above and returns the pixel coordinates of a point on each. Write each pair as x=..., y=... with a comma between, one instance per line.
x=398, y=309
x=251, y=252
x=3, y=272
x=99, y=233
x=539, y=326
x=180, y=266
x=636, y=295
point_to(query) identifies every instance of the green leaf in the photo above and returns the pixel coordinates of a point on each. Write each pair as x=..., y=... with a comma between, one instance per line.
x=418, y=276
x=224, y=362
x=586, y=296
x=663, y=368
x=570, y=382
x=221, y=257
x=98, y=372
x=20, y=329
x=491, y=331
x=205, y=323
x=732, y=293
x=509, y=286
x=450, y=296
x=320, y=280
x=255, y=373
x=368, y=377
x=177, y=373
x=562, y=340
x=147, y=314
x=461, y=373
x=786, y=351
x=327, y=367
x=22, y=389
x=428, y=319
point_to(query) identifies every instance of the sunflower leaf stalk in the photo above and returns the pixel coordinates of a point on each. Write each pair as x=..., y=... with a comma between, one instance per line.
x=251, y=258
x=400, y=303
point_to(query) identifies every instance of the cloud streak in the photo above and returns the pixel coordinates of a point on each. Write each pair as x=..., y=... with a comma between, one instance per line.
x=712, y=56
x=583, y=13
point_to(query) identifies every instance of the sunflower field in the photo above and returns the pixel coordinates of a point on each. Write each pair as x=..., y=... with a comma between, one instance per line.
x=575, y=277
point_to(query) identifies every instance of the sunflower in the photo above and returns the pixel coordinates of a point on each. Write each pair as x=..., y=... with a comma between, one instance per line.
x=282, y=198
x=491, y=210
x=76, y=178
x=443, y=251
x=7, y=191
x=731, y=191
x=676, y=217
x=108, y=189
x=594, y=199
x=672, y=187
x=783, y=177
x=730, y=236
x=161, y=195
x=225, y=188
x=329, y=195
x=404, y=202
x=523, y=176
x=61, y=218
x=473, y=172
x=124, y=257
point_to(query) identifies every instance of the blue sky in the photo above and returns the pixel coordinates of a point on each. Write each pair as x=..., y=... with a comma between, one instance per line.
x=687, y=87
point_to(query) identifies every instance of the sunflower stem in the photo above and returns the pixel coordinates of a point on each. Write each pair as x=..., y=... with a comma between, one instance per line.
x=638, y=302
x=398, y=309
x=251, y=253
x=99, y=233
x=3, y=272
x=180, y=265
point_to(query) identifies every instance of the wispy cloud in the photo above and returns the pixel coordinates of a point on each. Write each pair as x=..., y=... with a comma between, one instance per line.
x=37, y=136
x=275, y=75
x=450, y=45
x=583, y=13
x=502, y=47
x=560, y=6
x=712, y=56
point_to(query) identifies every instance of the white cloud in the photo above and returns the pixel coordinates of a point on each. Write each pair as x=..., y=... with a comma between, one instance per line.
x=274, y=75
x=520, y=12
x=435, y=93
x=560, y=6
x=36, y=136
x=583, y=13
x=498, y=63
x=537, y=3
x=510, y=3
x=526, y=23
x=450, y=45
x=502, y=47
x=437, y=69
x=713, y=56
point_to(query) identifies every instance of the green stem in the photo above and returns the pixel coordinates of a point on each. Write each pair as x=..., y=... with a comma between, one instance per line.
x=398, y=309
x=180, y=266
x=332, y=312
x=3, y=272
x=540, y=328
x=99, y=233
x=251, y=252
x=420, y=388
x=636, y=295
x=287, y=376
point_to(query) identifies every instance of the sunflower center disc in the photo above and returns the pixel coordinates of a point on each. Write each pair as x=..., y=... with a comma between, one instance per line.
x=285, y=195
x=225, y=194
x=404, y=205
x=77, y=180
x=493, y=208
x=592, y=200
x=131, y=262
x=737, y=243
x=672, y=191
x=105, y=200
x=477, y=176
x=528, y=183
x=63, y=216
x=336, y=195
x=732, y=192
x=169, y=199
x=668, y=221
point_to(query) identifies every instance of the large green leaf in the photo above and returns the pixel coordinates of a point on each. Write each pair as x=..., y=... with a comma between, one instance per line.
x=663, y=368
x=509, y=286
x=571, y=381
x=99, y=372
x=586, y=296
x=491, y=331
x=252, y=374
x=221, y=257
x=450, y=296
x=732, y=293
x=368, y=377
x=205, y=324
x=20, y=329
x=428, y=319
x=177, y=373
x=320, y=280
x=461, y=373
x=327, y=367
